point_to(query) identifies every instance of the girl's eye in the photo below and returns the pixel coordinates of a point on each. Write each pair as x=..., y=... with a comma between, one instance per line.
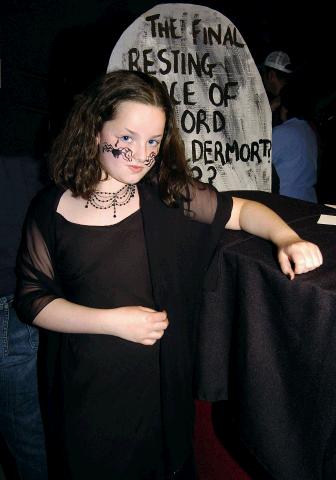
x=153, y=143
x=126, y=138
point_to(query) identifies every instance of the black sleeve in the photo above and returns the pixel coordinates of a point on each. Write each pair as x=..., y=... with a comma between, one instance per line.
x=36, y=280
x=206, y=205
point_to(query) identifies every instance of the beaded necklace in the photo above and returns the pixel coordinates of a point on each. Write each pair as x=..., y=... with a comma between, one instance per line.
x=105, y=200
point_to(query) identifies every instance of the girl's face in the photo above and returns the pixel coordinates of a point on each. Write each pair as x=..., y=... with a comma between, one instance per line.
x=130, y=142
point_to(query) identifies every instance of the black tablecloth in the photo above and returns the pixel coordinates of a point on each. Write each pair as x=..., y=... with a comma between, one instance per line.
x=268, y=344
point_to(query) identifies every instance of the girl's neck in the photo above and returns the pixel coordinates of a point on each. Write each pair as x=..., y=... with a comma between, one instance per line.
x=110, y=185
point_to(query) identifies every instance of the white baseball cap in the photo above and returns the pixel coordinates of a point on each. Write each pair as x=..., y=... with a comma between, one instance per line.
x=278, y=60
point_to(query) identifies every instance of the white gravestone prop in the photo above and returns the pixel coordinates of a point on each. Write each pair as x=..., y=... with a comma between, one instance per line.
x=221, y=104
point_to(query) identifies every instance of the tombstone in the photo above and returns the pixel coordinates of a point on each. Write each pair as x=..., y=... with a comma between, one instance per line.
x=221, y=104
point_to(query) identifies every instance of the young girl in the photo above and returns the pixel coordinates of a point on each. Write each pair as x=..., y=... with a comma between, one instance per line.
x=113, y=257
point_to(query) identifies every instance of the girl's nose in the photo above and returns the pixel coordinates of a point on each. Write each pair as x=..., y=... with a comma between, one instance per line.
x=141, y=153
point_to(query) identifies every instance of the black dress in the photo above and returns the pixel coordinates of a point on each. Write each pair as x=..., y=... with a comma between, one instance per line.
x=111, y=386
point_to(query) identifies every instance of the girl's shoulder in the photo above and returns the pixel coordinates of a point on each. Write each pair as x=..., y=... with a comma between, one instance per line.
x=43, y=206
x=47, y=198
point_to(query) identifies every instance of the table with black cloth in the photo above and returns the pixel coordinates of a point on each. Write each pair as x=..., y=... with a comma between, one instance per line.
x=268, y=344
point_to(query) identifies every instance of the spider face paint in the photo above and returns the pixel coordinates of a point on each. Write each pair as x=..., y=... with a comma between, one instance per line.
x=127, y=154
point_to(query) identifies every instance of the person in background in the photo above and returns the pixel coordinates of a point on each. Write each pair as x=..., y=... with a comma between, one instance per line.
x=20, y=417
x=295, y=146
x=276, y=72
x=113, y=258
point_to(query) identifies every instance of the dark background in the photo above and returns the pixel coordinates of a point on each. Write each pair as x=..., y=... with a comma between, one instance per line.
x=51, y=49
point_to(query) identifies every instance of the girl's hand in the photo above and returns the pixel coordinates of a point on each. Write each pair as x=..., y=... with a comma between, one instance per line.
x=299, y=256
x=139, y=324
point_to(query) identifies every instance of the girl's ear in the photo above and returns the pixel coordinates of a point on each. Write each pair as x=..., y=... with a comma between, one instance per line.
x=98, y=138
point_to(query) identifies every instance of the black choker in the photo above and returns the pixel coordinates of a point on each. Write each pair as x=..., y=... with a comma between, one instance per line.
x=105, y=200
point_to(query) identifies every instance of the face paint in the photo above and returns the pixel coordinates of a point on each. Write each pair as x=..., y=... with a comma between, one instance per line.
x=127, y=154
x=149, y=162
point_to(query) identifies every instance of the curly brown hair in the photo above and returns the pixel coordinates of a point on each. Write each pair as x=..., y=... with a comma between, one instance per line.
x=74, y=159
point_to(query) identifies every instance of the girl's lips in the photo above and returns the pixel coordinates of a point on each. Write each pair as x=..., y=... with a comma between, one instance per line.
x=135, y=168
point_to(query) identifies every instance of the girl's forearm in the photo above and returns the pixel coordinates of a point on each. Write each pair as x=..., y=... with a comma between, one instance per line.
x=257, y=219
x=60, y=315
